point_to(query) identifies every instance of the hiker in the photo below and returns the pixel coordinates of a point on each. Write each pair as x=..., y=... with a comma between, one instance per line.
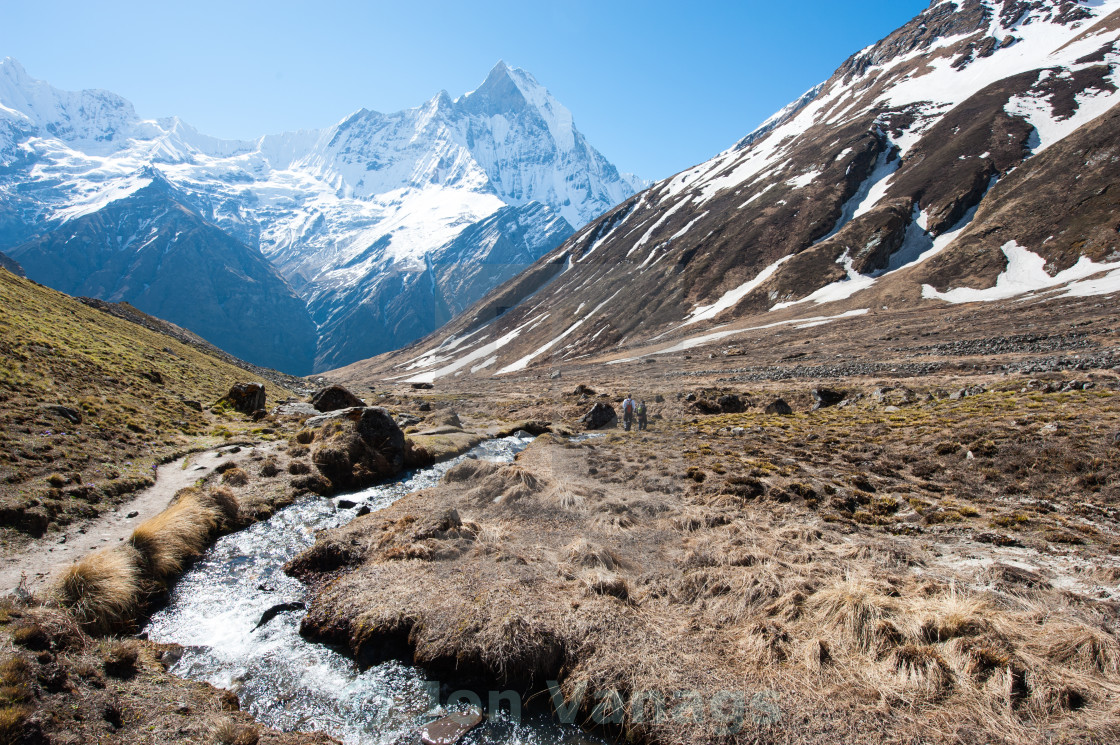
x=642, y=421
x=627, y=413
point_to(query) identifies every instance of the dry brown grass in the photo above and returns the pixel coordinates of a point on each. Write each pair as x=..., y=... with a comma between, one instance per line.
x=174, y=537
x=106, y=590
x=235, y=477
x=102, y=589
x=880, y=629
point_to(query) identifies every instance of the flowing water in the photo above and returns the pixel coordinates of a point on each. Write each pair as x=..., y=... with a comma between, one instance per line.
x=288, y=682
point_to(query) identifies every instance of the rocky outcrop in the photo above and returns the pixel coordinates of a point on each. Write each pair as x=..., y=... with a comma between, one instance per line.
x=335, y=397
x=245, y=397
x=353, y=448
x=600, y=416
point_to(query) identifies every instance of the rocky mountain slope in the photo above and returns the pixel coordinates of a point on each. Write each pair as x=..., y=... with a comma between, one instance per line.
x=969, y=156
x=358, y=218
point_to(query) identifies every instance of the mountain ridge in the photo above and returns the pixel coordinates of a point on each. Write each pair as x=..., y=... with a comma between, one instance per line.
x=330, y=209
x=869, y=189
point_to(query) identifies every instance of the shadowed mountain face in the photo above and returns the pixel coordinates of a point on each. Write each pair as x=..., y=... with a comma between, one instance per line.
x=11, y=265
x=153, y=251
x=969, y=156
x=352, y=216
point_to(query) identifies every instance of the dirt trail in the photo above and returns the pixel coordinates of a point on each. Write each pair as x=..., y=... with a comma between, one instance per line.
x=53, y=552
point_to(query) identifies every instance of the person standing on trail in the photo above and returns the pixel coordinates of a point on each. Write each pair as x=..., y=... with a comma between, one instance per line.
x=627, y=413
x=642, y=420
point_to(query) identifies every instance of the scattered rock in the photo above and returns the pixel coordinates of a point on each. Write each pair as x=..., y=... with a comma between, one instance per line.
x=891, y=409
x=132, y=514
x=422, y=386
x=297, y=409
x=450, y=729
x=347, y=504
x=335, y=397
x=556, y=375
x=364, y=510
x=407, y=420
x=153, y=376
x=196, y=405
x=258, y=415
x=690, y=398
x=583, y=390
x=245, y=397
x=824, y=397
x=529, y=426
x=975, y=390
x=779, y=407
x=600, y=416
x=450, y=419
x=425, y=406
x=74, y=416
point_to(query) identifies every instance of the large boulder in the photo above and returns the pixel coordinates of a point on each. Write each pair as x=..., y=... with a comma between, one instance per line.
x=356, y=447
x=731, y=404
x=335, y=397
x=245, y=397
x=601, y=415
x=823, y=398
x=779, y=406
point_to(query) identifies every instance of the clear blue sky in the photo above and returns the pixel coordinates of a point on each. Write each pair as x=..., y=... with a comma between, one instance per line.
x=657, y=86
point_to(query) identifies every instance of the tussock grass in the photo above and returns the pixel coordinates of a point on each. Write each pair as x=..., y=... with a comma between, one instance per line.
x=102, y=589
x=589, y=555
x=857, y=611
x=1079, y=646
x=171, y=539
x=107, y=589
x=921, y=668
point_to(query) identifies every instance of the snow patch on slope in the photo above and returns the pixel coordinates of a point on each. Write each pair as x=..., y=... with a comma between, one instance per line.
x=1026, y=273
x=731, y=298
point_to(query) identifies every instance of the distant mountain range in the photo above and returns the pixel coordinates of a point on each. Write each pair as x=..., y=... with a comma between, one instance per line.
x=970, y=156
x=301, y=251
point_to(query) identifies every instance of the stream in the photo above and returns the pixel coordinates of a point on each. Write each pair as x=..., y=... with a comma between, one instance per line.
x=288, y=682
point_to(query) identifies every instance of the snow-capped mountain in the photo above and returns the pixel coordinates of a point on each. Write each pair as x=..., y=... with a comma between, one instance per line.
x=355, y=217
x=969, y=156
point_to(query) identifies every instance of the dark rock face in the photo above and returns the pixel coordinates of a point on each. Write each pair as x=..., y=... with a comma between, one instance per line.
x=245, y=397
x=11, y=265
x=74, y=416
x=779, y=407
x=601, y=415
x=335, y=397
x=356, y=447
x=422, y=386
x=824, y=397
